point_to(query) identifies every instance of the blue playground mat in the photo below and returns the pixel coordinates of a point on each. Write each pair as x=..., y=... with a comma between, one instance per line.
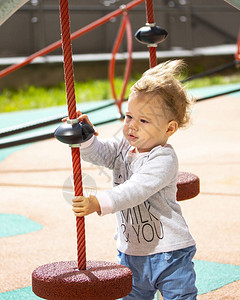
x=13, y=224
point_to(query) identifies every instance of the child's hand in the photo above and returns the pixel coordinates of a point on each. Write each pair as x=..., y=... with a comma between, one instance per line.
x=83, y=118
x=83, y=206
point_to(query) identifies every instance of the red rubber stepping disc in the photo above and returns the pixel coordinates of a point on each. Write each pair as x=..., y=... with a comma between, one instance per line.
x=188, y=186
x=100, y=281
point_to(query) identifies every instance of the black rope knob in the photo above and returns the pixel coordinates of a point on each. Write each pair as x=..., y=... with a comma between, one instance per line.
x=151, y=34
x=74, y=133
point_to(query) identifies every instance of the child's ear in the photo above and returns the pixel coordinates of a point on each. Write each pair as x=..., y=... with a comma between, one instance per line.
x=172, y=127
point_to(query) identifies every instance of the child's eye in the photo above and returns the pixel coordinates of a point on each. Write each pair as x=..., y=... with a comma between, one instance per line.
x=144, y=121
x=129, y=117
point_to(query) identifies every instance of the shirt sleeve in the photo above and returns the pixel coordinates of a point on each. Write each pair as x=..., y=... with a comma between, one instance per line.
x=105, y=203
x=101, y=152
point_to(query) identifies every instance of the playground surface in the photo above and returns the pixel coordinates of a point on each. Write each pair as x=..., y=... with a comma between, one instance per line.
x=38, y=225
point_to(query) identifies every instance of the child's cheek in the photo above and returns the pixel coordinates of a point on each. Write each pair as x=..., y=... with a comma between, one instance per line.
x=125, y=130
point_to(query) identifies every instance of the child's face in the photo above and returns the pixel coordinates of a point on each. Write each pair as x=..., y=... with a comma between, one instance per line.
x=146, y=125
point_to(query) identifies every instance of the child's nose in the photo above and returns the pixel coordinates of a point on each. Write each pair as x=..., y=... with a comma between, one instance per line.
x=134, y=125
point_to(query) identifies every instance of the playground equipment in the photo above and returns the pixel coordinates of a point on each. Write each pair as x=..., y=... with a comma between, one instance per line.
x=74, y=132
x=68, y=280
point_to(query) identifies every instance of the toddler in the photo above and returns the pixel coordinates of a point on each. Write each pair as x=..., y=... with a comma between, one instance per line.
x=153, y=239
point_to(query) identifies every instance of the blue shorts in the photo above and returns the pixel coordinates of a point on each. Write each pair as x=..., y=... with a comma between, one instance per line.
x=172, y=273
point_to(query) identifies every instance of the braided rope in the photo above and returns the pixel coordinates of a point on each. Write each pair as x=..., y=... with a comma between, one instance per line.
x=150, y=20
x=80, y=222
x=149, y=11
x=152, y=57
x=67, y=56
x=71, y=102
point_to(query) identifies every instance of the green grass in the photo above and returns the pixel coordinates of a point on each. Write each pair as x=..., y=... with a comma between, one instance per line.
x=215, y=80
x=32, y=97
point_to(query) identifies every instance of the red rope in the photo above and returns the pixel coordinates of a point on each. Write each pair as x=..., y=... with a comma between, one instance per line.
x=150, y=20
x=67, y=57
x=237, y=55
x=70, y=91
x=152, y=57
x=80, y=222
x=149, y=11
x=125, y=26
x=75, y=35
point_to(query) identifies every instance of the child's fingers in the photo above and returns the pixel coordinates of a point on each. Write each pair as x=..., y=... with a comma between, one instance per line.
x=77, y=209
x=64, y=119
x=84, y=118
x=78, y=201
x=95, y=131
x=79, y=206
x=78, y=114
x=79, y=214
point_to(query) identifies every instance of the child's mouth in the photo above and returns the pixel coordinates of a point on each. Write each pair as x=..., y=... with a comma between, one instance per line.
x=132, y=137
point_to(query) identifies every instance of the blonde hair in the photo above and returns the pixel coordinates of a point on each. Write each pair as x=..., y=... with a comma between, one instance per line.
x=163, y=80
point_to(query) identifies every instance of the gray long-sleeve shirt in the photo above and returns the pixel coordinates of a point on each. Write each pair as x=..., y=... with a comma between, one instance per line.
x=149, y=219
